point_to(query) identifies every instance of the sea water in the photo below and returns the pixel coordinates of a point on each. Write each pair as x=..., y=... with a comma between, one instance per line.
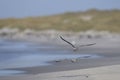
x=18, y=54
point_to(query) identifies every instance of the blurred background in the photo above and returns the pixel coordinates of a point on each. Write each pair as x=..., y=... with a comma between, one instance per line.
x=30, y=34
x=65, y=15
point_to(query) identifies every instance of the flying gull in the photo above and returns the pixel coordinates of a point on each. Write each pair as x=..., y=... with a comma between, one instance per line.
x=75, y=48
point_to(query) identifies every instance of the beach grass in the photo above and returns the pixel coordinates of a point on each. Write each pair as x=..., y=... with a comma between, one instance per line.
x=71, y=21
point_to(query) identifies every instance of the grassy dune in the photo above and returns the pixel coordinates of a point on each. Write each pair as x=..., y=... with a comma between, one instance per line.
x=71, y=21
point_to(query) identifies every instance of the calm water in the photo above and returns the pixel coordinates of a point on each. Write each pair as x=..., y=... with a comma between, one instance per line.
x=16, y=54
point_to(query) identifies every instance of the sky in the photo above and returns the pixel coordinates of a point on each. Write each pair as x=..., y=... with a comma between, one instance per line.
x=31, y=8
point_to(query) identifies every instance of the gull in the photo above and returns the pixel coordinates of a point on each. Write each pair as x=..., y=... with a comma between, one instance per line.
x=75, y=48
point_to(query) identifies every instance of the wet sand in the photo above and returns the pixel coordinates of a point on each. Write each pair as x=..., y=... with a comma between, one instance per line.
x=111, y=57
x=99, y=73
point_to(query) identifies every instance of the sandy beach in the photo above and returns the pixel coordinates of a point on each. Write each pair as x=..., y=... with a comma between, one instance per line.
x=99, y=73
x=106, y=67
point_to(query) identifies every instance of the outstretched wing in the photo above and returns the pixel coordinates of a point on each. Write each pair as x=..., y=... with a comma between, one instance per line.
x=87, y=45
x=67, y=42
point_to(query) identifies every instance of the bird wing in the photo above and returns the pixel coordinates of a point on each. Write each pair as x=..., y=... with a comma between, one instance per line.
x=87, y=44
x=67, y=42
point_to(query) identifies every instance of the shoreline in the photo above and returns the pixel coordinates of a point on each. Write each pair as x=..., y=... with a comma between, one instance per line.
x=107, y=58
x=68, y=65
x=108, y=47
